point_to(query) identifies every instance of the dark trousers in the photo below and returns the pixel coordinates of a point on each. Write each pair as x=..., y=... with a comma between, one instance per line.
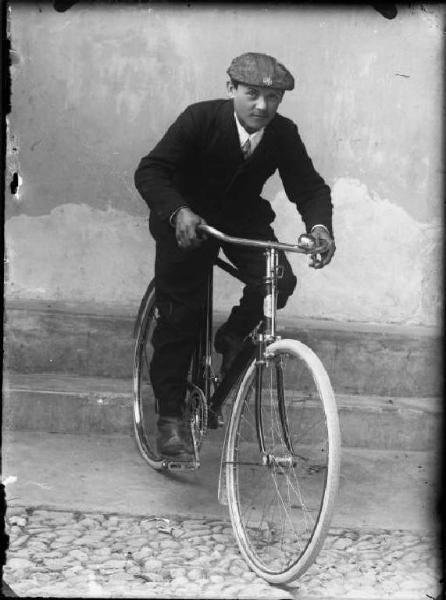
x=180, y=283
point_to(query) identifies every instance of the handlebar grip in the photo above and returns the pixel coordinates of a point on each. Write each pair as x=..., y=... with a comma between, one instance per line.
x=308, y=243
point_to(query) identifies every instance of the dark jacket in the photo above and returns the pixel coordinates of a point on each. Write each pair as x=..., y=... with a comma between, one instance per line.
x=199, y=162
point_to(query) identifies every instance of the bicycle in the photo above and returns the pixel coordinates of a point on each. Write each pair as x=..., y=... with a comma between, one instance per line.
x=281, y=455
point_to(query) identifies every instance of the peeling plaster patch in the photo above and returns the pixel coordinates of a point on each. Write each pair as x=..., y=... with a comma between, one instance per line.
x=13, y=163
x=15, y=185
x=387, y=268
x=383, y=268
x=10, y=480
x=77, y=254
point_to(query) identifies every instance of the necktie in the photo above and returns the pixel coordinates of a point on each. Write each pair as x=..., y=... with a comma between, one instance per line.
x=246, y=149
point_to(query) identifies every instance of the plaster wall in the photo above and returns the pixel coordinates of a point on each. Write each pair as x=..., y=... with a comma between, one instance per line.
x=94, y=88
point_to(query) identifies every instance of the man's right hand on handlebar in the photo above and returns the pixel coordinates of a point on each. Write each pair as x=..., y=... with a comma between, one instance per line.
x=186, y=229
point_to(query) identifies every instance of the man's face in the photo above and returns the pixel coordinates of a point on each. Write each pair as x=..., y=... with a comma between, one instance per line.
x=254, y=106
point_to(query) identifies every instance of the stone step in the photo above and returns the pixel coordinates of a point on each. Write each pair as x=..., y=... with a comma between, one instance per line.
x=97, y=341
x=71, y=404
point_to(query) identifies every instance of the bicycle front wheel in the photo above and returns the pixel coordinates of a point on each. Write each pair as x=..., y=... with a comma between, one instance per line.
x=282, y=467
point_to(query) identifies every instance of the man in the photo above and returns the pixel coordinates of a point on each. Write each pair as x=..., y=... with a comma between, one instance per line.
x=210, y=167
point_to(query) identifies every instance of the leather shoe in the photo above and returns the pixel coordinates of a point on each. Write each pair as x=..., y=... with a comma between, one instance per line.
x=228, y=344
x=173, y=440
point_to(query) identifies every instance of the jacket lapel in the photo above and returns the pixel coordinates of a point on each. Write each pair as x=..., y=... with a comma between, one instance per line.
x=230, y=145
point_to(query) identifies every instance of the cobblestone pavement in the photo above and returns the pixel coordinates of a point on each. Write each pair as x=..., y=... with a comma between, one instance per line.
x=72, y=554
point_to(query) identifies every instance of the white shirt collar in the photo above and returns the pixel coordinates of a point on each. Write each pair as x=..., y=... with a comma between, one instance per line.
x=244, y=135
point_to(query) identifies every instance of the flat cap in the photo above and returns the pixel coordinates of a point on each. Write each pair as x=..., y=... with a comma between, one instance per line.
x=254, y=68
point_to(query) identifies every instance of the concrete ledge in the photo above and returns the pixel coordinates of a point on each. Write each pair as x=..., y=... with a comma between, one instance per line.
x=96, y=341
x=64, y=404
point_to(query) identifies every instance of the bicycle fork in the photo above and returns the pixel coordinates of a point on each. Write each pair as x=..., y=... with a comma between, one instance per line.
x=265, y=336
x=273, y=273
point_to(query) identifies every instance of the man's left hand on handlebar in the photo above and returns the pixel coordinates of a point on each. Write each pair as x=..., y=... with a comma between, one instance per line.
x=322, y=237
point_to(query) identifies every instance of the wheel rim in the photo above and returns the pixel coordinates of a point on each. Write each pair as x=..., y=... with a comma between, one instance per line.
x=144, y=404
x=280, y=508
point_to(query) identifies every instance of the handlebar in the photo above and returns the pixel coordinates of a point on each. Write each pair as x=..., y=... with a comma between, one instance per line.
x=306, y=243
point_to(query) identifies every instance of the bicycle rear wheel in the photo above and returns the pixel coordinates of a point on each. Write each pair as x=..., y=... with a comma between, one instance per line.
x=281, y=501
x=145, y=410
x=144, y=403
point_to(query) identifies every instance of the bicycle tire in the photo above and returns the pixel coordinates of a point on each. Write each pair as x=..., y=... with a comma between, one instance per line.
x=144, y=403
x=281, y=506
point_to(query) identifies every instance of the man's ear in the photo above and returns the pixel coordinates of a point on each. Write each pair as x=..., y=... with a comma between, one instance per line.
x=230, y=88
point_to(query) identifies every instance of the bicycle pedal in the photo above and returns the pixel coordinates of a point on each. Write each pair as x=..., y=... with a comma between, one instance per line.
x=181, y=465
x=215, y=420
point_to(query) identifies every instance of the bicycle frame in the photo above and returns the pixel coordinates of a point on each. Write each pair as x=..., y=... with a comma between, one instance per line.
x=202, y=371
x=203, y=374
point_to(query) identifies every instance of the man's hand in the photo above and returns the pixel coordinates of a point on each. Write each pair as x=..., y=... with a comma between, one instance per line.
x=186, y=232
x=322, y=237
